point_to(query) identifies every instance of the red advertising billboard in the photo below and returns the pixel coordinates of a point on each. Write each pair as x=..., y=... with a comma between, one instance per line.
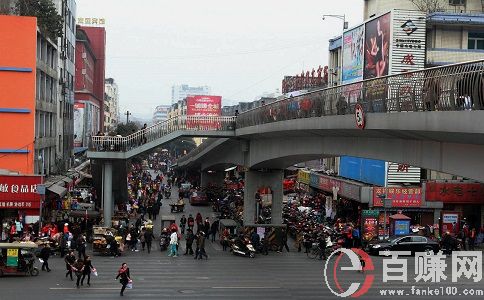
x=204, y=105
x=455, y=192
x=401, y=197
x=19, y=191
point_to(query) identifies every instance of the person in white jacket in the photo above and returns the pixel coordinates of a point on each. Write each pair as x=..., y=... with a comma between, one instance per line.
x=173, y=243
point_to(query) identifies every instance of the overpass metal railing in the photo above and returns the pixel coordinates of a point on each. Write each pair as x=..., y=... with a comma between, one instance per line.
x=447, y=88
x=158, y=130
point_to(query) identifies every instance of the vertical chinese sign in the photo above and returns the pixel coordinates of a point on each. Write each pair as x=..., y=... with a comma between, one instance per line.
x=369, y=219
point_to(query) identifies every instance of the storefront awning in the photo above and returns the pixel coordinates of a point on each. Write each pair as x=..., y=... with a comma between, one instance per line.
x=57, y=189
x=67, y=180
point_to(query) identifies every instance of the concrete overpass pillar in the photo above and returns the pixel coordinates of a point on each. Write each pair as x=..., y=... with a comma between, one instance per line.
x=107, y=192
x=207, y=178
x=254, y=180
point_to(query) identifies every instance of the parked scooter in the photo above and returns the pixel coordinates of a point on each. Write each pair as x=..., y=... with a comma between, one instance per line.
x=243, y=248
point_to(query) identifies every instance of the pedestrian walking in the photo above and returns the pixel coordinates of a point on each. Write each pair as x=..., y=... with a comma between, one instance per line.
x=81, y=246
x=44, y=255
x=206, y=227
x=183, y=223
x=224, y=239
x=124, y=277
x=201, y=246
x=148, y=237
x=191, y=222
x=88, y=269
x=173, y=243
x=142, y=239
x=70, y=259
x=189, y=242
x=78, y=269
x=199, y=220
x=214, y=230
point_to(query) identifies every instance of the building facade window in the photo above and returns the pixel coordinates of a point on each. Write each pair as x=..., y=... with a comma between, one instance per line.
x=475, y=40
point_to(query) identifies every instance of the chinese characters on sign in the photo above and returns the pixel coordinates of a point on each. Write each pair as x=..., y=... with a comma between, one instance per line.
x=455, y=192
x=401, y=197
x=91, y=21
x=19, y=191
x=431, y=267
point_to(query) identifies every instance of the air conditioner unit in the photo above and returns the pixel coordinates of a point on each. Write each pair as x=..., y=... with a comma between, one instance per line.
x=83, y=72
x=84, y=55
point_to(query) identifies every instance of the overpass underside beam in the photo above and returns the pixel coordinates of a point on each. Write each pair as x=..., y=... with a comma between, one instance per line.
x=255, y=181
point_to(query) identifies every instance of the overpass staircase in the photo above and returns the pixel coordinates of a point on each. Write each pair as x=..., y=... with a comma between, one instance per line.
x=119, y=148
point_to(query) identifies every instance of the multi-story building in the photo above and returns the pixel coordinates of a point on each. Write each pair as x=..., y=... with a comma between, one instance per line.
x=180, y=92
x=455, y=28
x=454, y=33
x=65, y=92
x=161, y=113
x=111, y=105
x=89, y=83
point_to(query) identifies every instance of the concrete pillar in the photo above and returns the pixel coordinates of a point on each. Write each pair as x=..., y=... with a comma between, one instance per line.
x=216, y=178
x=255, y=180
x=108, y=193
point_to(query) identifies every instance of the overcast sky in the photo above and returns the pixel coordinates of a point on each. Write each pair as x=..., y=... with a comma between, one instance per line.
x=241, y=49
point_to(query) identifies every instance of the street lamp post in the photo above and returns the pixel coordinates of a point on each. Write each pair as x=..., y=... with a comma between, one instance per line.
x=345, y=26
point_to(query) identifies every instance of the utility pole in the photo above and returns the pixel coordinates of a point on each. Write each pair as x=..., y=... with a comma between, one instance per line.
x=127, y=116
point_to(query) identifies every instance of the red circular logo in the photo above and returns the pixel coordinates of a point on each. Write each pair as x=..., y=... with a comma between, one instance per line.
x=359, y=116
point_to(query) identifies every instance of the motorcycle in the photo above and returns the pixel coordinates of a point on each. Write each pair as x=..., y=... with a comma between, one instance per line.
x=241, y=248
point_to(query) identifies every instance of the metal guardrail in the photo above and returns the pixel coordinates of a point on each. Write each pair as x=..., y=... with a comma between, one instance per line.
x=158, y=130
x=447, y=88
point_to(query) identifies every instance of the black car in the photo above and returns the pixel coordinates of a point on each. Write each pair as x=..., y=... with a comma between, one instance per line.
x=412, y=243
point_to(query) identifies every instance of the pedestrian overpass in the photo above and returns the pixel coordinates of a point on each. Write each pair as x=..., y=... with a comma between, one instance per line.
x=433, y=118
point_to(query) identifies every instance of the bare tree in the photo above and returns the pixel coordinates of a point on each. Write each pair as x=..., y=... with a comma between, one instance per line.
x=428, y=6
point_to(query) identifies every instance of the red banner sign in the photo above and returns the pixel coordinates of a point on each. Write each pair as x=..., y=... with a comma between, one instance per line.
x=401, y=197
x=19, y=191
x=455, y=192
x=204, y=105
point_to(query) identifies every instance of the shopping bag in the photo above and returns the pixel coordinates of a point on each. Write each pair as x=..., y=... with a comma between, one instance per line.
x=41, y=260
x=129, y=285
x=94, y=272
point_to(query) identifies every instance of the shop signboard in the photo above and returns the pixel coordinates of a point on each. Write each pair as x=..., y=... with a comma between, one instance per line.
x=19, y=191
x=342, y=188
x=12, y=257
x=401, y=197
x=314, y=180
x=303, y=176
x=353, y=46
x=408, y=41
x=370, y=224
x=449, y=192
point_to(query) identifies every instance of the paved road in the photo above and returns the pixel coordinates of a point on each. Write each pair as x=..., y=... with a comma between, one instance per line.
x=223, y=276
